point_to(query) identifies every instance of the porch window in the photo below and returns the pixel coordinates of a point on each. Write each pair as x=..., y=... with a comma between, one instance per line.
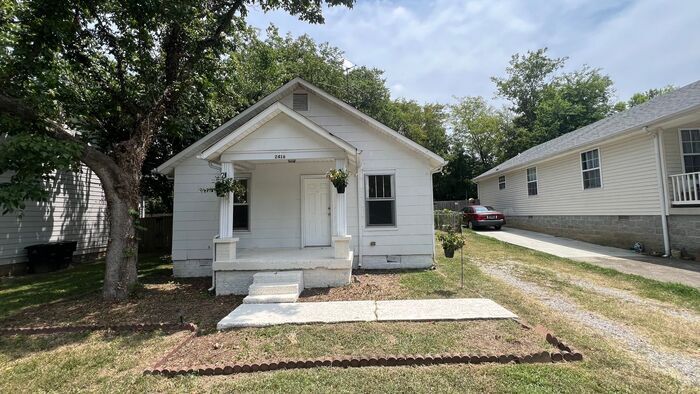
x=501, y=182
x=380, y=200
x=241, y=206
x=532, y=181
x=590, y=169
x=690, y=149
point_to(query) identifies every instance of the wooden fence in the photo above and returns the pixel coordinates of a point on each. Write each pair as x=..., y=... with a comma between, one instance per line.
x=447, y=219
x=156, y=235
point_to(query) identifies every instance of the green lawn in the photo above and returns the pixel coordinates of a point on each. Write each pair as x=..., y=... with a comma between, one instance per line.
x=78, y=280
x=113, y=363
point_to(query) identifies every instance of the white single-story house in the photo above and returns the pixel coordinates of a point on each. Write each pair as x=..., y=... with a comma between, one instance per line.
x=631, y=177
x=76, y=210
x=291, y=217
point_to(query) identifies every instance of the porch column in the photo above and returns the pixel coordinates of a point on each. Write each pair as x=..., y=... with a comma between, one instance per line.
x=226, y=205
x=225, y=244
x=341, y=221
x=341, y=240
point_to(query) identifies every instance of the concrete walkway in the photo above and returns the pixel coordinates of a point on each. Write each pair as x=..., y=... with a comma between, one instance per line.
x=627, y=261
x=260, y=315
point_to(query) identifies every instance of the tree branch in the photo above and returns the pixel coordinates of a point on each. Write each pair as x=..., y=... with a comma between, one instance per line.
x=103, y=165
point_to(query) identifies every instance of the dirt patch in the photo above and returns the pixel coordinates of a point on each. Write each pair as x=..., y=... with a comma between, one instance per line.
x=254, y=345
x=365, y=285
x=167, y=301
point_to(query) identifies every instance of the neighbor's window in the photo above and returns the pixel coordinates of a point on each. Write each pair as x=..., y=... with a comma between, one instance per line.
x=532, y=181
x=381, y=200
x=241, y=206
x=690, y=147
x=590, y=168
x=501, y=182
x=300, y=102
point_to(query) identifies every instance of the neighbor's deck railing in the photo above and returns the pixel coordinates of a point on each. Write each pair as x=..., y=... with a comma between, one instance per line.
x=686, y=188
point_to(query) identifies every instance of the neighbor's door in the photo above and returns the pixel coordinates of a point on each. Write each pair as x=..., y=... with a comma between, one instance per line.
x=316, y=215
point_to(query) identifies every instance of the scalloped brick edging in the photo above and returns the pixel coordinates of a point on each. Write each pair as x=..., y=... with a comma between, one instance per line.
x=136, y=327
x=369, y=361
x=566, y=354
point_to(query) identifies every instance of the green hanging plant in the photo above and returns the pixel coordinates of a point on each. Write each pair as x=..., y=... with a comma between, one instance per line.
x=339, y=178
x=223, y=186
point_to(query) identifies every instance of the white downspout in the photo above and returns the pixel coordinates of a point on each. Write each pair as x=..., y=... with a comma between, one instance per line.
x=662, y=191
x=360, y=226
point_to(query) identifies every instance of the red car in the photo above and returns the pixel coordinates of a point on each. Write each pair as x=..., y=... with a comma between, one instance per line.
x=476, y=216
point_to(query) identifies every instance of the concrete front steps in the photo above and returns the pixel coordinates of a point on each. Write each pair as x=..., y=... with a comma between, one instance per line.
x=275, y=287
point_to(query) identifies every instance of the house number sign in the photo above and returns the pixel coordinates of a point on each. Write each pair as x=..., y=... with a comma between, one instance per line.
x=280, y=156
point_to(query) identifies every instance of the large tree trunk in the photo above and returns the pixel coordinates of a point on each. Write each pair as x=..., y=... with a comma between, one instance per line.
x=122, y=250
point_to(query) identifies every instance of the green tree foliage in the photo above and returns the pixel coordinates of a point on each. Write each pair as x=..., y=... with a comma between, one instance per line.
x=112, y=78
x=546, y=103
x=571, y=101
x=643, y=97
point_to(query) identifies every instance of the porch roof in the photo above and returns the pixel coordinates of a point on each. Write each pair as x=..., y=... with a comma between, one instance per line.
x=215, y=151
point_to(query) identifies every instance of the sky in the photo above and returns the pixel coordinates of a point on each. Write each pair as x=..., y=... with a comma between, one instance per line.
x=435, y=50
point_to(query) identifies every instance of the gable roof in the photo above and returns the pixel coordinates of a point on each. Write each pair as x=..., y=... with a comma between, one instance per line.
x=263, y=117
x=243, y=117
x=658, y=109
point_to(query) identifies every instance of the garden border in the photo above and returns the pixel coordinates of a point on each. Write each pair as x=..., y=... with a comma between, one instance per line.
x=565, y=354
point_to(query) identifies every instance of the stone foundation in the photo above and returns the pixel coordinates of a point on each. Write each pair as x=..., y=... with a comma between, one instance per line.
x=191, y=268
x=618, y=231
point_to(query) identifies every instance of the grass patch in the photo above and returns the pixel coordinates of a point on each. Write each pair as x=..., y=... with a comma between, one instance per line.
x=359, y=339
x=489, y=249
x=20, y=292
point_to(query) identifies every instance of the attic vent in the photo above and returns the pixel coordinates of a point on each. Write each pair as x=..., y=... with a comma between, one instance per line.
x=300, y=102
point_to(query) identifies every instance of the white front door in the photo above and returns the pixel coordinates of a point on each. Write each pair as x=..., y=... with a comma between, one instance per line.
x=316, y=213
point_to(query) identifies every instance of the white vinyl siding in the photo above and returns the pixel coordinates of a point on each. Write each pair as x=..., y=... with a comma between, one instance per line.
x=76, y=211
x=630, y=184
x=531, y=181
x=275, y=190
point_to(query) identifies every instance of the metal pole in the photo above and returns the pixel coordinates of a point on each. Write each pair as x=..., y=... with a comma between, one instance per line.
x=461, y=257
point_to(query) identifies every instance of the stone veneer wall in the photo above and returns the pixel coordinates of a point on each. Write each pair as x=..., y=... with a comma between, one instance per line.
x=685, y=233
x=619, y=231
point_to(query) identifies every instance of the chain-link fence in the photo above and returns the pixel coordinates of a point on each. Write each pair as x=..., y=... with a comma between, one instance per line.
x=446, y=219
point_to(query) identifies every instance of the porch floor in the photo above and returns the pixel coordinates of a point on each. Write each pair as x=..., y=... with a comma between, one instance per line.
x=285, y=254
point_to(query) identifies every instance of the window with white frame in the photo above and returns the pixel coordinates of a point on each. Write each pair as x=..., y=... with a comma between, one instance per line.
x=532, y=181
x=380, y=200
x=690, y=150
x=241, y=205
x=590, y=169
x=501, y=182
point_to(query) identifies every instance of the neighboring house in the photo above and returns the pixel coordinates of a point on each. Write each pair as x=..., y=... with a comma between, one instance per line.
x=292, y=218
x=76, y=210
x=631, y=177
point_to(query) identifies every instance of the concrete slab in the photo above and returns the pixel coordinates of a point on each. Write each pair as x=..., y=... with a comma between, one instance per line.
x=261, y=315
x=627, y=261
x=441, y=309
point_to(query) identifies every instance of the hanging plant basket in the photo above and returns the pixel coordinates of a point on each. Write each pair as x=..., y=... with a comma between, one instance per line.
x=339, y=179
x=449, y=253
x=223, y=186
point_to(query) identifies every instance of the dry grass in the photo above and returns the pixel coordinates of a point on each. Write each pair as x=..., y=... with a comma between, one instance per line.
x=358, y=339
x=365, y=285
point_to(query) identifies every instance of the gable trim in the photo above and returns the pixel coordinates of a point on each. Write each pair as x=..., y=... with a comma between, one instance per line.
x=259, y=120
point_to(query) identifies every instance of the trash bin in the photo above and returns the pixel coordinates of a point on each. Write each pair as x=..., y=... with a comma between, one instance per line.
x=50, y=256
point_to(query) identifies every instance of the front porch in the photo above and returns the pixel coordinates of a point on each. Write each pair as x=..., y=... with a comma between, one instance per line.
x=287, y=224
x=319, y=267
